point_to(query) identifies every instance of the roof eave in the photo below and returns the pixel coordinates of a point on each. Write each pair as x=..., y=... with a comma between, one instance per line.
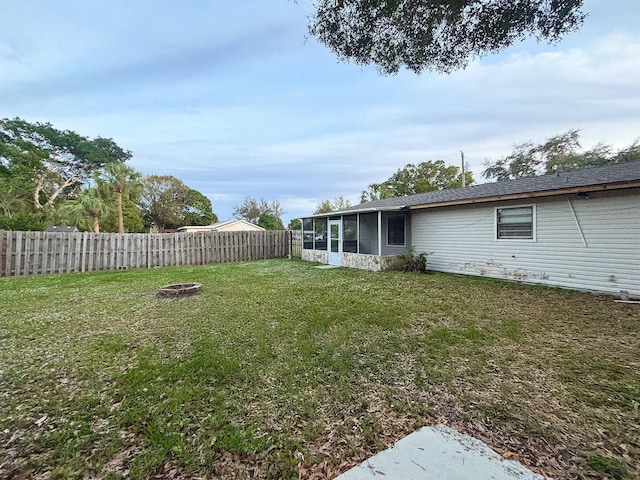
x=359, y=210
x=538, y=194
x=493, y=198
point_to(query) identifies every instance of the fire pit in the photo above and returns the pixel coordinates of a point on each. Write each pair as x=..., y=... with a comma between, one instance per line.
x=178, y=290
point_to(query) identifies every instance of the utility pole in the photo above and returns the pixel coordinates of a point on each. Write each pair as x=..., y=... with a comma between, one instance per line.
x=464, y=180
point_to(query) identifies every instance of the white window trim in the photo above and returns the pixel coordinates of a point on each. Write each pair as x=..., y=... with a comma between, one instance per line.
x=404, y=244
x=534, y=236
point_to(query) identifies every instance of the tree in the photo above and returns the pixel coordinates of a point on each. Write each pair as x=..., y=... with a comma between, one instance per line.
x=123, y=181
x=269, y=221
x=15, y=202
x=251, y=210
x=559, y=153
x=295, y=224
x=60, y=161
x=162, y=201
x=524, y=161
x=420, y=178
x=85, y=210
x=198, y=209
x=441, y=35
x=21, y=163
x=131, y=216
x=16, y=208
x=167, y=202
x=629, y=154
x=331, y=205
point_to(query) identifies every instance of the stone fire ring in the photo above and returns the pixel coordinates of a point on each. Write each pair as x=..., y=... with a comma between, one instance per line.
x=178, y=290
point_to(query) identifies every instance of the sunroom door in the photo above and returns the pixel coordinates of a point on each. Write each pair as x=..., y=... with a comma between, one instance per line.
x=335, y=242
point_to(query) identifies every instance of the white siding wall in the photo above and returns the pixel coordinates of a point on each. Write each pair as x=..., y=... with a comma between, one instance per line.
x=462, y=240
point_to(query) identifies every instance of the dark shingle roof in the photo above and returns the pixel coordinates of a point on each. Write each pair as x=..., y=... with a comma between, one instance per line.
x=587, y=178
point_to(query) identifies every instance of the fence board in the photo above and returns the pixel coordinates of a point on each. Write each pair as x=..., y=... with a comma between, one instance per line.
x=40, y=253
x=18, y=255
x=8, y=257
x=28, y=254
x=217, y=250
x=70, y=250
x=2, y=253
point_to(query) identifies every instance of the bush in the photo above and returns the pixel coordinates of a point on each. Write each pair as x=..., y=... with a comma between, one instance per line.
x=23, y=222
x=412, y=262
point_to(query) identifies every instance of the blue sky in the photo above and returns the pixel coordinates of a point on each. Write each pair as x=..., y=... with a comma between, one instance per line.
x=234, y=99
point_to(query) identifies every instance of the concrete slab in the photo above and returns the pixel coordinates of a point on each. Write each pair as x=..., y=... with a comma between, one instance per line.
x=439, y=452
x=324, y=267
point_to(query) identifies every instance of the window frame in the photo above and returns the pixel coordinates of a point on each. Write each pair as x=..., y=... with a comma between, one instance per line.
x=404, y=231
x=496, y=230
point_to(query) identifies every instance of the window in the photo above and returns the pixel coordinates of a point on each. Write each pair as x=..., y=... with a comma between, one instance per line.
x=515, y=223
x=307, y=233
x=368, y=232
x=395, y=230
x=350, y=234
x=320, y=234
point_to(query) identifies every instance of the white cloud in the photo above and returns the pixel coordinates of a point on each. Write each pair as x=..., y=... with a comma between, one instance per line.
x=232, y=100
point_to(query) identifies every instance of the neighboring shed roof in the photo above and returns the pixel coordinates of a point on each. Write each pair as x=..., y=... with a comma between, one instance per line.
x=62, y=229
x=235, y=221
x=610, y=177
x=228, y=225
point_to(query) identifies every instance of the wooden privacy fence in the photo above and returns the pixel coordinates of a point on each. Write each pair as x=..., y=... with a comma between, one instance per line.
x=39, y=253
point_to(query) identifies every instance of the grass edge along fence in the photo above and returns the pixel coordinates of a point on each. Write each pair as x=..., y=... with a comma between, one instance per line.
x=42, y=253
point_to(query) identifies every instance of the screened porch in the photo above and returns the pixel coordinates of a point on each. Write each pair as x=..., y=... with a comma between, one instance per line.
x=356, y=240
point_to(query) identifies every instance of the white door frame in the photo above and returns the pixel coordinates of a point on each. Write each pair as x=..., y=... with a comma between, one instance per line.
x=334, y=245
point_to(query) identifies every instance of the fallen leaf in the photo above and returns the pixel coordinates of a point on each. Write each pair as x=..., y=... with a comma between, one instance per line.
x=42, y=420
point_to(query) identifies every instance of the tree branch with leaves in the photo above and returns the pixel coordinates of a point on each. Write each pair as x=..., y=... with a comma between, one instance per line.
x=332, y=204
x=442, y=35
x=417, y=178
x=559, y=153
x=167, y=202
x=85, y=210
x=60, y=160
x=268, y=215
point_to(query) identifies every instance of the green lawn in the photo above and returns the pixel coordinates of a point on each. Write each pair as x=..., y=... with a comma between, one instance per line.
x=281, y=370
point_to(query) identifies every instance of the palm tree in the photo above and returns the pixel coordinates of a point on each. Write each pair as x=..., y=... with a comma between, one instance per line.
x=121, y=180
x=85, y=210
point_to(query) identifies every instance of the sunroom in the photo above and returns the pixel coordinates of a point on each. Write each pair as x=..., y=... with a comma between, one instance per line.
x=365, y=239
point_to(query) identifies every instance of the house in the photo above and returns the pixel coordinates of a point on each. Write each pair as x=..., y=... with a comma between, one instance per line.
x=62, y=229
x=233, y=225
x=578, y=229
